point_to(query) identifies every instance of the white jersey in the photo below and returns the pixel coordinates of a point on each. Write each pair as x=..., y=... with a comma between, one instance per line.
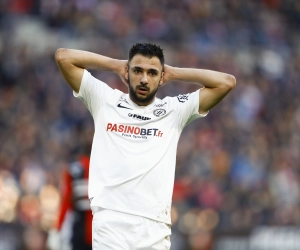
x=133, y=156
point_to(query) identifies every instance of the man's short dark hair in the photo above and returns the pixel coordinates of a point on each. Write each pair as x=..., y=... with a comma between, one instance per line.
x=148, y=50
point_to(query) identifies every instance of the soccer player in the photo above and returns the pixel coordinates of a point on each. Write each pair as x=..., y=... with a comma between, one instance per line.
x=75, y=208
x=133, y=155
x=73, y=230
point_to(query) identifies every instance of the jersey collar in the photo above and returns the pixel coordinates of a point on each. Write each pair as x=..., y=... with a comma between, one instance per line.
x=135, y=106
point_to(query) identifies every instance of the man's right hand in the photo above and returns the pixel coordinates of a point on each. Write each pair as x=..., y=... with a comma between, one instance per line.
x=122, y=71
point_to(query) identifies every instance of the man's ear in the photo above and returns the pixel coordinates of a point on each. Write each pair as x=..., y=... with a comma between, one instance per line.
x=126, y=73
x=161, y=82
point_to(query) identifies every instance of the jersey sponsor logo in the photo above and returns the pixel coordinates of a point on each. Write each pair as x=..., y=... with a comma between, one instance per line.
x=183, y=98
x=133, y=131
x=120, y=106
x=159, y=112
x=139, y=117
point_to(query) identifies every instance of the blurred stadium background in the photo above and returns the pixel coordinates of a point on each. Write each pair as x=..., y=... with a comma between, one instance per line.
x=237, y=181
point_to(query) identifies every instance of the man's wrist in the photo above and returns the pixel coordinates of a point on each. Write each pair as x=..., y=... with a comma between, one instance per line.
x=117, y=65
x=170, y=73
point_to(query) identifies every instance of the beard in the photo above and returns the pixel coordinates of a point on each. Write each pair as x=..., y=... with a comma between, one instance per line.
x=141, y=99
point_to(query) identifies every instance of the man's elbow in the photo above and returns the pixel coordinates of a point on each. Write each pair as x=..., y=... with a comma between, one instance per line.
x=230, y=81
x=60, y=55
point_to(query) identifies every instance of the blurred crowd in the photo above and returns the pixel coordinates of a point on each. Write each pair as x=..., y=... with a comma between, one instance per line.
x=238, y=168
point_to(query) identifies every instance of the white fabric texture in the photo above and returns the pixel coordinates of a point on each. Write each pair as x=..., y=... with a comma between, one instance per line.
x=120, y=231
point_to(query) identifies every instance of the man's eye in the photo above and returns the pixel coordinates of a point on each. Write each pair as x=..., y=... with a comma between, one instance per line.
x=137, y=71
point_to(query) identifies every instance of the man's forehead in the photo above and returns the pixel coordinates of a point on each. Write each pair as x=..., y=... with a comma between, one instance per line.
x=145, y=62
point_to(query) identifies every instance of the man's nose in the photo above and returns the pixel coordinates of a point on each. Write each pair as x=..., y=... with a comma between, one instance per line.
x=144, y=79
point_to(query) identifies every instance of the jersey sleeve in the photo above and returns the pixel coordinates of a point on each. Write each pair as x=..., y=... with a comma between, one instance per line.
x=92, y=92
x=187, y=106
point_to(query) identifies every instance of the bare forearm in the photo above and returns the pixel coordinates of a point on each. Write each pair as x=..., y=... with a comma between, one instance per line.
x=86, y=60
x=72, y=62
x=203, y=77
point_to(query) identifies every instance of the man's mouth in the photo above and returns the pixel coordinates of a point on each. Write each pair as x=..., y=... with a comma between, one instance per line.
x=142, y=90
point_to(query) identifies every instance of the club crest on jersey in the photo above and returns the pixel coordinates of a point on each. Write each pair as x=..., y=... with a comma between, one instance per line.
x=159, y=112
x=183, y=98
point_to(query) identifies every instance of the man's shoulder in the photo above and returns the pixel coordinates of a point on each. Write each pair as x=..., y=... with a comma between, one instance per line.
x=171, y=101
x=118, y=92
x=180, y=98
x=113, y=94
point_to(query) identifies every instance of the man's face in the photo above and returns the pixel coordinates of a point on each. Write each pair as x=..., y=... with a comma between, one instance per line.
x=144, y=76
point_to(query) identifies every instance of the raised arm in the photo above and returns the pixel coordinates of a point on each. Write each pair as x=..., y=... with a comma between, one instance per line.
x=216, y=84
x=72, y=62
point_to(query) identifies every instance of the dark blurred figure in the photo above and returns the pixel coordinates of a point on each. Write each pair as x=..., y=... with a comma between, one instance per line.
x=10, y=236
x=73, y=230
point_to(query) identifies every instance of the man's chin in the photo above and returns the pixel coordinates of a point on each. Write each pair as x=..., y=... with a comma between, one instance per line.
x=143, y=99
x=142, y=96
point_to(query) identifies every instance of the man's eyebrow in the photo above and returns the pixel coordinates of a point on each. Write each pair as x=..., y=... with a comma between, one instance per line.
x=137, y=67
x=153, y=70
x=142, y=69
